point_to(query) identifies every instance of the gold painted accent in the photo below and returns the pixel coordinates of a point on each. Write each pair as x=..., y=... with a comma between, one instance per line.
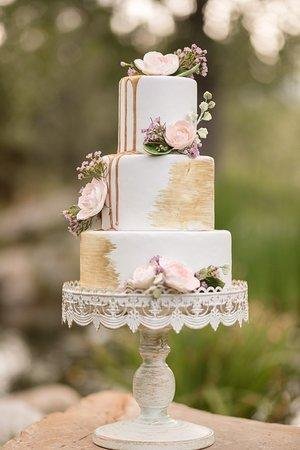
x=117, y=188
x=126, y=105
x=119, y=117
x=188, y=200
x=96, y=266
x=113, y=167
x=110, y=161
x=134, y=82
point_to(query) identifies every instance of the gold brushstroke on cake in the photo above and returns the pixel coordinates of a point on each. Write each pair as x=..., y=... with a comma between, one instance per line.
x=96, y=266
x=188, y=200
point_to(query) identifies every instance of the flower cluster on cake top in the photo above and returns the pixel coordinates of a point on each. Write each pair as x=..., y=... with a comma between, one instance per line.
x=182, y=63
x=162, y=274
x=92, y=196
x=183, y=136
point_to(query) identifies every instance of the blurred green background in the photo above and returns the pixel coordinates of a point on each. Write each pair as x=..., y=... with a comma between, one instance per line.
x=59, y=69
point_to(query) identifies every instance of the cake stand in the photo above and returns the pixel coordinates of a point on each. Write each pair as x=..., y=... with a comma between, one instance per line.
x=154, y=382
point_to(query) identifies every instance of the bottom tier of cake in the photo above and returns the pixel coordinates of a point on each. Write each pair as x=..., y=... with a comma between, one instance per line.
x=109, y=258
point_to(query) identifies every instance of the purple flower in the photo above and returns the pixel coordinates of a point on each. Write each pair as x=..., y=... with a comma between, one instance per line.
x=92, y=167
x=155, y=262
x=131, y=72
x=193, y=152
x=155, y=133
x=189, y=57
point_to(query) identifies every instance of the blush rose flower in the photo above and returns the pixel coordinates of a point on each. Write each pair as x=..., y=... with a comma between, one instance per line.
x=155, y=63
x=178, y=276
x=143, y=276
x=92, y=199
x=181, y=134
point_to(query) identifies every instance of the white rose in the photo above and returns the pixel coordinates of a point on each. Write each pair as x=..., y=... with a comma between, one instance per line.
x=92, y=199
x=181, y=134
x=143, y=276
x=178, y=276
x=155, y=63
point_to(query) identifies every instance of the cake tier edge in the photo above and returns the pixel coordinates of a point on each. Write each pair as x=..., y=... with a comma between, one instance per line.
x=109, y=258
x=172, y=192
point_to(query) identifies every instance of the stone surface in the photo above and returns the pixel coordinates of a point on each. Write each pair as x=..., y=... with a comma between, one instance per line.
x=73, y=429
x=49, y=398
x=15, y=415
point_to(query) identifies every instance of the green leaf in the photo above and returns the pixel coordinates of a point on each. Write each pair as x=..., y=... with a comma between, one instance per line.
x=189, y=72
x=214, y=282
x=73, y=210
x=157, y=149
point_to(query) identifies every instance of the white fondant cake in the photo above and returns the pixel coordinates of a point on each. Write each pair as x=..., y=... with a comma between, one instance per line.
x=149, y=208
x=144, y=97
x=109, y=258
x=172, y=192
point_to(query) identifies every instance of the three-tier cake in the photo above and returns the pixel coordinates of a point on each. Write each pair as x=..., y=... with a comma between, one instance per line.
x=146, y=213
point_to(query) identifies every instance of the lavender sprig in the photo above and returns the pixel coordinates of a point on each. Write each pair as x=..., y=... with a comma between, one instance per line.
x=92, y=167
x=155, y=132
x=76, y=226
x=192, y=60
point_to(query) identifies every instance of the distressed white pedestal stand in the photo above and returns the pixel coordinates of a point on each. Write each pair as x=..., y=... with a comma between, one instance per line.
x=154, y=382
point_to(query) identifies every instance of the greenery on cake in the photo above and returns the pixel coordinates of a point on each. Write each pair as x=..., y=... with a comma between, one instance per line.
x=183, y=136
x=163, y=275
x=182, y=63
x=212, y=276
x=92, y=195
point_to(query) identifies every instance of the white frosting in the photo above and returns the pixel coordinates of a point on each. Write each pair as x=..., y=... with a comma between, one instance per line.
x=133, y=248
x=138, y=181
x=171, y=98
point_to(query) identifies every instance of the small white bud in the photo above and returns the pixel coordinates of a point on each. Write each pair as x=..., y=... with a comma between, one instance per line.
x=202, y=132
x=207, y=116
x=207, y=95
x=203, y=106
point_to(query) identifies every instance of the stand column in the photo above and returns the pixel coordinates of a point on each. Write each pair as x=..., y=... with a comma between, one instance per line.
x=154, y=382
x=153, y=389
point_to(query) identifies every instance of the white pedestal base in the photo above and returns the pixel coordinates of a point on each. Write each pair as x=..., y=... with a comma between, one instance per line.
x=137, y=434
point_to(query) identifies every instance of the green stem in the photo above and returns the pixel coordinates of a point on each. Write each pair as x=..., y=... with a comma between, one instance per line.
x=188, y=72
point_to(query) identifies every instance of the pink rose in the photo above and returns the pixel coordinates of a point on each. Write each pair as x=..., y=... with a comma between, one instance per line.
x=143, y=276
x=92, y=199
x=178, y=276
x=181, y=134
x=155, y=63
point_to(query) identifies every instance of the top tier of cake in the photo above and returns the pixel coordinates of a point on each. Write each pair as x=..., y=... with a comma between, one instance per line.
x=144, y=97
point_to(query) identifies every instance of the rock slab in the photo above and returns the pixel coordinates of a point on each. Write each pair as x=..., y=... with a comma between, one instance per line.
x=73, y=429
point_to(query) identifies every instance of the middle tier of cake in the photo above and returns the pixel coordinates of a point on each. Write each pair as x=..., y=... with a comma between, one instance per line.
x=170, y=192
x=109, y=258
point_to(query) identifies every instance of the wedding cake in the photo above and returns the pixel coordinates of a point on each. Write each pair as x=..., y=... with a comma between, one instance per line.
x=145, y=214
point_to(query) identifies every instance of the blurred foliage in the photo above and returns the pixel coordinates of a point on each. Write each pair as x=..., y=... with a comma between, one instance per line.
x=58, y=88
x=246, y=372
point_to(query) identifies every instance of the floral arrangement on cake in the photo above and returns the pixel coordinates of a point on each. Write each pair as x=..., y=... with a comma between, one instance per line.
x=165, y=275
x=182, y=63
x=92, y=195
x=183, y=136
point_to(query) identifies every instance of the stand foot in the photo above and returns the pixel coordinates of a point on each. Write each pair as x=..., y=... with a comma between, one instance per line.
x=136, y=434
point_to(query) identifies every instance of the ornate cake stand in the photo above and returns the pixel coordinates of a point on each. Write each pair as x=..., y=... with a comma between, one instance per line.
x=154, y=382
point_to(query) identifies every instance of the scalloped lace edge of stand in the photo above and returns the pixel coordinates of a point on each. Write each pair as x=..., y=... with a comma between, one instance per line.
x=210, y=306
